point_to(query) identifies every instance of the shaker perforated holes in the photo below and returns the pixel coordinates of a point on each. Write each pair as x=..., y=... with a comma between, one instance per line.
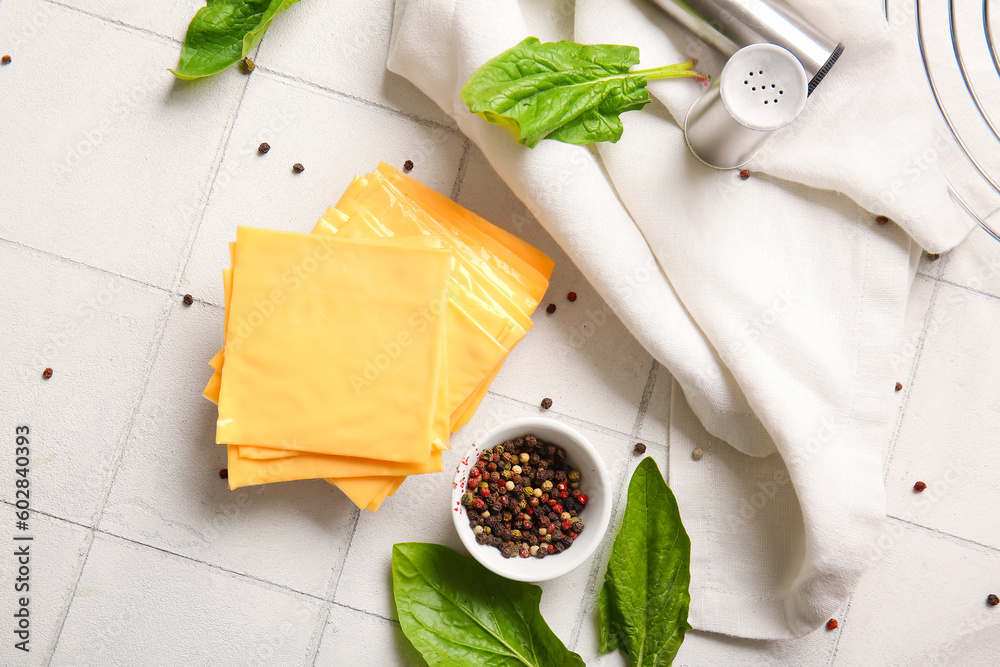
x=771, y=93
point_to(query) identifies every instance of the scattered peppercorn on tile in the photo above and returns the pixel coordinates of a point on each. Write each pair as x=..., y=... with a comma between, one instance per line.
x=322, y=376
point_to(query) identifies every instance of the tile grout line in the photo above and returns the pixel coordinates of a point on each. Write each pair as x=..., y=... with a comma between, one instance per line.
x=647, y=393
x=276, y=73
x=840, y=632
x=120, y=24
x=212, y=179
x=358, y=100
x=48, y=253
x=366, y=613
x=460, y=175
x=966, y=288
x=212, y=566
x=243, y=575
x=331, y=592
x=910, y=379
x=154, y=349
x=153, y=354
x=317, y=639
x=945, y=535
x=605, y=430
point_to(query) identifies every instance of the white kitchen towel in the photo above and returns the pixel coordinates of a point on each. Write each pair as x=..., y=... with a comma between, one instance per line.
x=775, y=302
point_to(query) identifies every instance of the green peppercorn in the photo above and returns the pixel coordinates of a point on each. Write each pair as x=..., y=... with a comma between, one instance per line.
x=506, y=474
x=574, y=475
x=528, y=490
x=546, y=485
x=515, y=534
x=522, y=503
x=487, y=456
x=467, y=499
x=499, y=449
x=487, y=530
x=484, y=485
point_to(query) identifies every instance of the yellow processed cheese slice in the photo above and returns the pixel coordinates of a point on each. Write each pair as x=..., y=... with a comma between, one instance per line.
x=364, y=490
x=212, y=388
x=435, y=202
x=404, y=218
x=295, y=353
x=265, y=453
x=472, y=352
x=211, y=392
x=246, y=472
x=499, y=256
x=216, y=361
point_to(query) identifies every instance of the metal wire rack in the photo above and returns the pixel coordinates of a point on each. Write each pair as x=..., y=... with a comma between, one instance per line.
x=958, y=43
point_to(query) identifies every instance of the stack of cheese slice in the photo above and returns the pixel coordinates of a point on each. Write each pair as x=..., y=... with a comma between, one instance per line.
x=352, y=353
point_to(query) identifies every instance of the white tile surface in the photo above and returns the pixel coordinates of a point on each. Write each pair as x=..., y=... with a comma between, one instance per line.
x=343, y=47
x=655, y=424
x=164, y=17
x=948, y=434
x=925, y=604
x=975, y=263
x=139, y=606
x=581, y=356
x=121, y=188
x=96, y=331
x=363, y=639
x=56, y=555
x=168, y=493
x=115, y=174
x=333, y=138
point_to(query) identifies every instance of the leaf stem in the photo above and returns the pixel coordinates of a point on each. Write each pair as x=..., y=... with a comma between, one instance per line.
x=673, y=71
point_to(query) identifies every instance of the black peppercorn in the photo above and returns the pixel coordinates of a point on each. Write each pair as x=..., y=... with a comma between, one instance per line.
x=188, y=299
x=298, y=168
x=640, y=448
x=408, y=165
x=551, y=308
x=224, y=473
x=263, y=148
x=992, y=600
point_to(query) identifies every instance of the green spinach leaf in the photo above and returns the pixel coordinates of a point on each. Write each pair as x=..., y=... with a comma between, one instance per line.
x=565, y=91
x=456, y=612
x=224, y=31
x=644, y=601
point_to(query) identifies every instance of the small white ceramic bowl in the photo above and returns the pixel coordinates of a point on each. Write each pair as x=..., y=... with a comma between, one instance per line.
x=594, y=482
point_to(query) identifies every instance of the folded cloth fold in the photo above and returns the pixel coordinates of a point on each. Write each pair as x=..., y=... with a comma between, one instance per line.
x=776, y=302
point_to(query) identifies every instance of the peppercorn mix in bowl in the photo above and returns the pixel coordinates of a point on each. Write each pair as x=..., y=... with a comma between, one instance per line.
x=551, y=483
